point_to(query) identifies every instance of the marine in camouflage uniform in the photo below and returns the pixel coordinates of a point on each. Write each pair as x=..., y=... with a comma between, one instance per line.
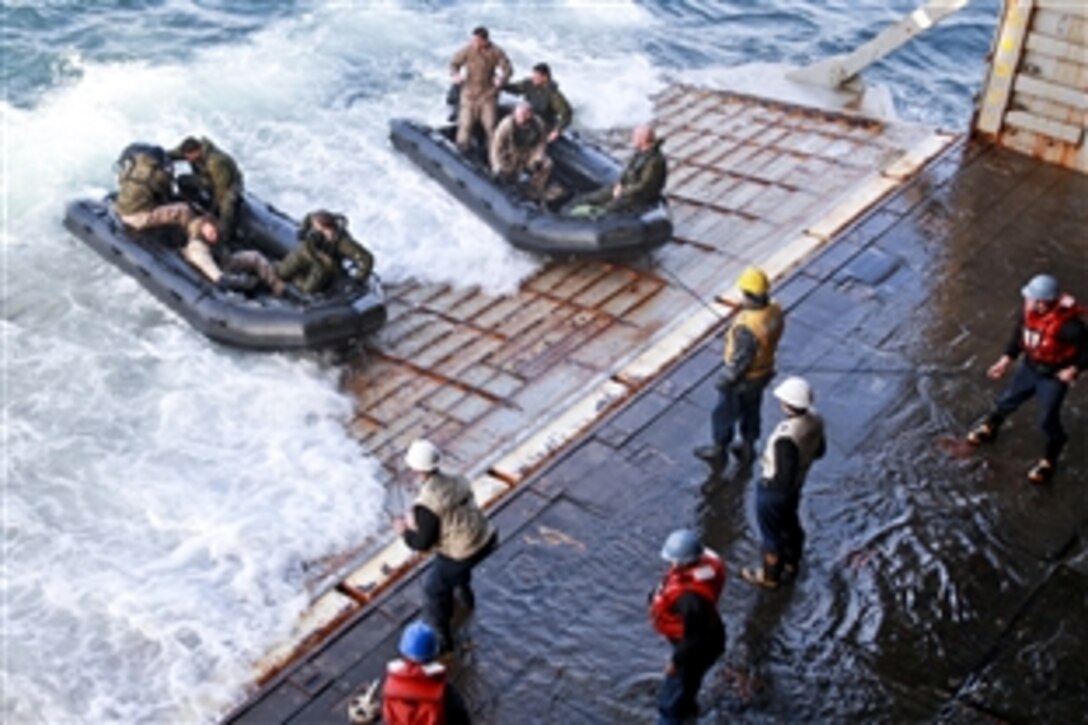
x=145, y=194
x=314, y=264
x=640, y=184
x=543, y=94
x=520, y=144
x=215, y=174
x=479, y=60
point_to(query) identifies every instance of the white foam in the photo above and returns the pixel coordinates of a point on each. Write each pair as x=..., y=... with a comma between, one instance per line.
x=165, y=494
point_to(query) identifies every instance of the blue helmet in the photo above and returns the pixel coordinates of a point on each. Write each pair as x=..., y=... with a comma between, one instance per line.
x=1042, y=287
x=682, y=547
x=419, y=642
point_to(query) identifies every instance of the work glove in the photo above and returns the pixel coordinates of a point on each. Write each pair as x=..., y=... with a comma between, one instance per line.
x=365, y=707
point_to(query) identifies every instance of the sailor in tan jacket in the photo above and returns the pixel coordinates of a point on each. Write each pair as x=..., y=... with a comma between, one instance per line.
x=794, y=445
x=446, y=520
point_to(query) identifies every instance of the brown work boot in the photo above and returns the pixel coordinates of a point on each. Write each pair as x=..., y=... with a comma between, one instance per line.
x=712, y=454
x=759, y=577
x=984, y=432
x=1041, y=472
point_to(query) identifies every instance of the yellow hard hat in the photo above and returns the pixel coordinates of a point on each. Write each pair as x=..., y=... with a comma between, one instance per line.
x=753, y=281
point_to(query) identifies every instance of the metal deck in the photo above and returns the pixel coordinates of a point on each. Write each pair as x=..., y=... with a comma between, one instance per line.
x=503, y=383
x=982, y=575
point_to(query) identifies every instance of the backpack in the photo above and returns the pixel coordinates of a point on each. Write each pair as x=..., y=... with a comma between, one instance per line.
x=139, y=161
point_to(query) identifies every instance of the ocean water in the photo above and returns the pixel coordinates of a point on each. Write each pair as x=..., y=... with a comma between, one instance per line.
x=162, y=495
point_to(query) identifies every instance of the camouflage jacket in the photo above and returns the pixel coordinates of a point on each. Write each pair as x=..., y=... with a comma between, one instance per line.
x=312, y=267
x=143, y=185
x=480, y=66
x=219, y=173
x=644, y=177
x=547, y=101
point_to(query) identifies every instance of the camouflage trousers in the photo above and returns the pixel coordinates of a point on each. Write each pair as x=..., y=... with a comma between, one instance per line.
x=179, y=213
x=256, y=263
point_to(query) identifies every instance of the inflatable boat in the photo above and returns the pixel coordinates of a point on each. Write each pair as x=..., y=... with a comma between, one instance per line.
x=579, y=167
x=347, y=311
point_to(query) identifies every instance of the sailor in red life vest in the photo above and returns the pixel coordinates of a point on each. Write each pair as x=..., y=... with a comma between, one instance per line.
x=1054, y=340
x=416, y=691
x=684, y=609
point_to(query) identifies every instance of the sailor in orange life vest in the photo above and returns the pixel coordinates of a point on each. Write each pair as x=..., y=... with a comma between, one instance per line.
x=684, y=609
x=1054, y=340
x=447, y=520
x=791, y=449
x=416, y=691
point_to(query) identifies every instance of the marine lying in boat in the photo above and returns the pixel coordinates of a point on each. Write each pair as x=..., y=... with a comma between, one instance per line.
x=330, y=296
x=515, y=211
x=309, y=269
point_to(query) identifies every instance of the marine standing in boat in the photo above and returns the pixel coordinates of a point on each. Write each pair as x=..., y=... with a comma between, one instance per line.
x=145, y=190
x=216, y=175
x=520, y=145
x=640, y=184
x=548, y=102
x=447, y=520
x=481, y=68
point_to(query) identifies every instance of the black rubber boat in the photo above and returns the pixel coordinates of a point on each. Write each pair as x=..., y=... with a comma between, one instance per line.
x=346, y=312
x=579, y=166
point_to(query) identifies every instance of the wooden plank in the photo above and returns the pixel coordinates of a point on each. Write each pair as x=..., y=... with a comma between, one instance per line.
x=1075, y=97
x=1065, y=7
x=1045, y=126
x=1061, y=25
x=1006, y=58
x=1057, y=48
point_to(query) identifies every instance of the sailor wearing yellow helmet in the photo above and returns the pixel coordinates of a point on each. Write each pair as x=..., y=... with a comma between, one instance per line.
x=750, y=345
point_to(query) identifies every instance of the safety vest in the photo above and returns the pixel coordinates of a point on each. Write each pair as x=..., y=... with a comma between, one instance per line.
x=1040, y=338
x=705, y=578
x=414, y=694
x=807, y=433
x=463, y=527
x=766, y=323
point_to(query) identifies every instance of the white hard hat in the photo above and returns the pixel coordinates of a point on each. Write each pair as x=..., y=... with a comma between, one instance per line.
x=795, y=392
x=422, y=456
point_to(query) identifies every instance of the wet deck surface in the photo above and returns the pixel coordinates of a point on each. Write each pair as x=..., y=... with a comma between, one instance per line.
x=476, y=373
x=936, y=586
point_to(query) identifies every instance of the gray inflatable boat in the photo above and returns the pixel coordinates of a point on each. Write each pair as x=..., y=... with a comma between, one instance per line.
x=349, y=310
x=579, y=167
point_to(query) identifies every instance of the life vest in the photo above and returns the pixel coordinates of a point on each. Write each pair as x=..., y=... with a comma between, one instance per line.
x=414, y=694
x=807, y=432
x=464, y=529
x=1040, y=337
x=143, y=164
x=766, y=323
x=705, y=578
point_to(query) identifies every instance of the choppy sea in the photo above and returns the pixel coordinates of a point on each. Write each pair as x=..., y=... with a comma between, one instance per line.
x=161, y=494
